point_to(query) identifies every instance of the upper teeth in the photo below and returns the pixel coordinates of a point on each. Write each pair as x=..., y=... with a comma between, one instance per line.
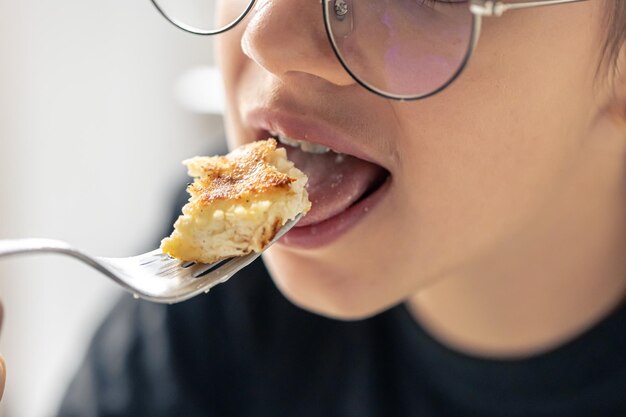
x=302, y=144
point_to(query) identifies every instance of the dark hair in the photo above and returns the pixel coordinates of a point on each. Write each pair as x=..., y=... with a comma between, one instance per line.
x=616, y=19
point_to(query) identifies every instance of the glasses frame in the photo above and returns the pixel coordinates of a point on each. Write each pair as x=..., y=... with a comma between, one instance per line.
x=196, y=31
x=478, y=9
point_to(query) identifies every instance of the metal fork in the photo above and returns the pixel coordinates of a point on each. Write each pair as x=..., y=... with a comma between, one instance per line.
x=152, y=276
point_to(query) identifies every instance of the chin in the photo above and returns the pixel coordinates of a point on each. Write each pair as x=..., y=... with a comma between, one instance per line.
x=324, y=289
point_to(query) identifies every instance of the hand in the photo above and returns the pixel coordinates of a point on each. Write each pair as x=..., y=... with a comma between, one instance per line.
x=2, y=369
x=2, y=376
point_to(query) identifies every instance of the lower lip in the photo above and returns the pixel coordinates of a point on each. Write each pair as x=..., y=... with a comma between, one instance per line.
x=329, y=230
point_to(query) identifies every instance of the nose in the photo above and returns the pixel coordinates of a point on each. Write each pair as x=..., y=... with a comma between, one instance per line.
x=288, y=36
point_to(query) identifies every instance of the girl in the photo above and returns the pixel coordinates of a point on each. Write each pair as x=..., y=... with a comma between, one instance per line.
x=464, y=255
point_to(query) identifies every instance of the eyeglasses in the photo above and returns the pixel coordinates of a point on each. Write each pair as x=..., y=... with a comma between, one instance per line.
x=399, y=49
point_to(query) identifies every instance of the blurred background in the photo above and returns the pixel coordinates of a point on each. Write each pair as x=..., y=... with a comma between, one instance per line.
x=99, y=103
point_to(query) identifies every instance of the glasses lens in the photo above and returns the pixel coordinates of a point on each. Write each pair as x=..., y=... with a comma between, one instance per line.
x=204, y=16
x=401, y=48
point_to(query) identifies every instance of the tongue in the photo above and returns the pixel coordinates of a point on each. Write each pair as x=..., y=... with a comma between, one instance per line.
x=335, y=181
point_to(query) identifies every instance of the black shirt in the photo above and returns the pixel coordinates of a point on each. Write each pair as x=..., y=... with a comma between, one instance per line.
x=244, y=350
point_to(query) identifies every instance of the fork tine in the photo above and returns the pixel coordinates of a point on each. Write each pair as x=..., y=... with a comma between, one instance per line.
x=227, y=268
x=200, y=270
x=148, y=261
x=168, y=268
x=149, y=257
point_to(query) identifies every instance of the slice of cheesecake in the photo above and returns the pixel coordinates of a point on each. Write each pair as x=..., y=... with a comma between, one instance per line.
x=238, y=202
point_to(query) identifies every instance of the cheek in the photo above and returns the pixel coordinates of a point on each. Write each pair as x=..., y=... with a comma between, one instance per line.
x=231, y=62
x=464, y=198
x=228, y=11
x=483, y=157
x=485, y=160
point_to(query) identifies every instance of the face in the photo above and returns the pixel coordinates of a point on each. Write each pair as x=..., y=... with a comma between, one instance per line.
x=424, y=189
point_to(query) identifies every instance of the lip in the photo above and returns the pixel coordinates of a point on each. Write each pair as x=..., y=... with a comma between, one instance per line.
x=325, y=232
x=264, y=120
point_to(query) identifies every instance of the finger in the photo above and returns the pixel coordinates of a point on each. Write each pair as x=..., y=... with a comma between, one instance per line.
x=2, y=365
x=2, y=376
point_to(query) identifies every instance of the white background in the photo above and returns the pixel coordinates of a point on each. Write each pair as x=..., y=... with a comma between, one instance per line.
x=91, y=139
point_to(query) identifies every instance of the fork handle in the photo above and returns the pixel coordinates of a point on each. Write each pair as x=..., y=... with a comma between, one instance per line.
x=33, y=245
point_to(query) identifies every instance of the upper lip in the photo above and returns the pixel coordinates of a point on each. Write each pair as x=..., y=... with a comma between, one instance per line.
x=307, y=128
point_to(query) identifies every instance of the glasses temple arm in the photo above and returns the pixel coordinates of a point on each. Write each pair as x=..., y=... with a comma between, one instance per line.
x=497, y=8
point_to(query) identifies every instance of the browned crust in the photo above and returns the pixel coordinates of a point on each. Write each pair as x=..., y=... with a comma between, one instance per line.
x=239, y=174
x=268, y=233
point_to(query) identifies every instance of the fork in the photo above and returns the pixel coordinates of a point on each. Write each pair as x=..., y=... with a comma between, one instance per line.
x=152, y=276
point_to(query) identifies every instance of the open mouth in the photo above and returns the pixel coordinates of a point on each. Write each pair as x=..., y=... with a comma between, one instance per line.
x=339, y=185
